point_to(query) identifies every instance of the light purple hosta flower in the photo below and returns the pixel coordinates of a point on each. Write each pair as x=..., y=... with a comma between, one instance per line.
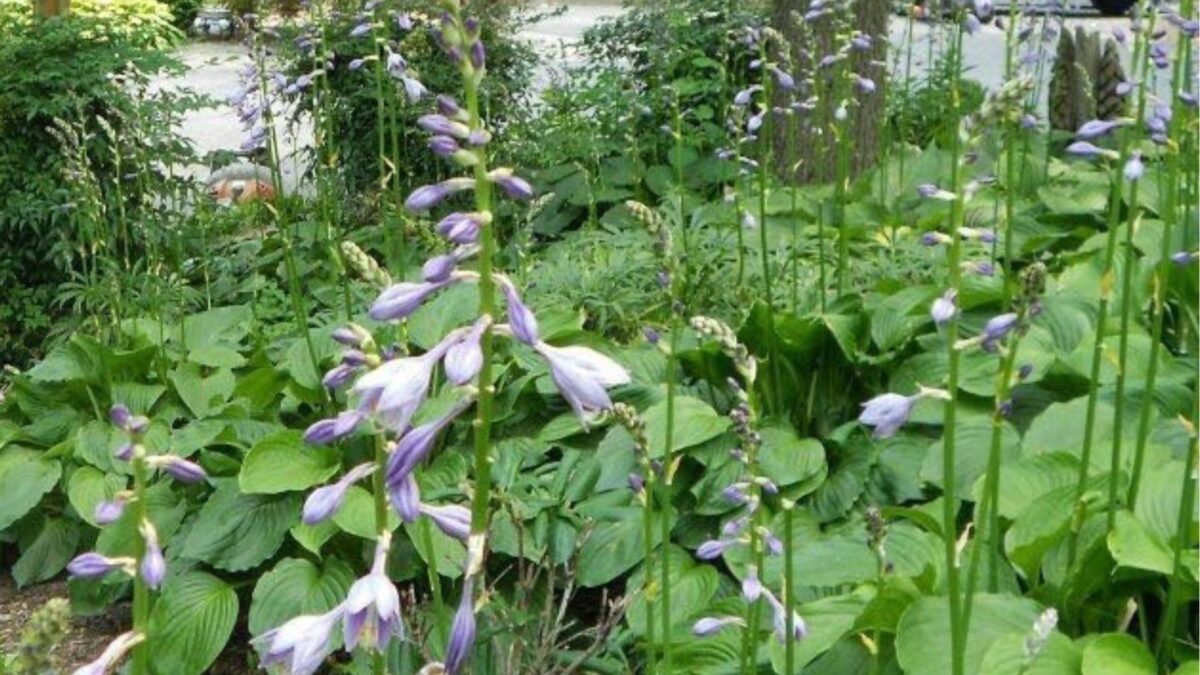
x=124, y=452
x=180, y=469
x=944, y=308
x=972, y=24
x=414, y=89
x=400, y=300
x=734, y=527
x=360, y=30
x=443, y=126
x=1184, y=258
x=886, y=413
x=774, y=545
x=935, y=239
x=1093, y=129
x=1156, y=125
x=1029, y=121
x=1089, y=151
x=996, y=329
x=861, y=42
x=154, y=567
x=404, y=21
x=464, y=359
x=92, y=565
x=736, y=494
x=111, y=655
x=338, y=376
x=108, y=512
x=931, y=191
x=1189, y=99
x=302, y=643
x=799, y=628
x=711, y=625
x=325, y=501
x=478, y=55
x=330, y=430
x=713, y=548
x=521, y=319
x=453, y=519
x=414, y=446
x=752, y=588
x=395, y=389
x=372, y=607
x=461, y=228
x=982, y=267
x=428, y=196
x=462, y=631
x=355, y=64
x=782, y=79
x=120, y=416
x=439, y=268
x=583, y=377
x=864, y=85
x=443, y=146
x=743, y=97
x=1134, y=168
x=754, y=123
x=513, y=186
x=405, y=495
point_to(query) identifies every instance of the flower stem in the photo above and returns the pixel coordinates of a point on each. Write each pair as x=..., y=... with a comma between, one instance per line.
x=789, y=600
x=949, y=495
x=648, y=575
x=665, y=493
x=141, y=592
x=1182, y=542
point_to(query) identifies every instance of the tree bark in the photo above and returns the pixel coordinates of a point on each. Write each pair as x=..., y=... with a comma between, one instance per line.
x=813, y=157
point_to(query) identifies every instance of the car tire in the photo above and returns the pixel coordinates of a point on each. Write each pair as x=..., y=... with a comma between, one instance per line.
x=1113, y=7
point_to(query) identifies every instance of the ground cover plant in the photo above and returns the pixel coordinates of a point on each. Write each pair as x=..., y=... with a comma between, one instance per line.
x=601, y=376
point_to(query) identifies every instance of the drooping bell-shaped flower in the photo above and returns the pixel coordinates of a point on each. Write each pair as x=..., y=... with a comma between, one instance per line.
x=324, y=432
x=428, y=196
x=1134, y=168
x=888, y=412
x=1093, y=129
x=779, y=620
x=996, y=329
x=464, y=358
x=583, y=376
x=153, y=568
x=521, y=319
x=405, y=496
x=1087, y=150
x=108, y=512
x=179, y=468
x=513, y=186
x=414, y=446
x=301, y=644
x=395, y=389
x=372, y=606
x=92, y=565
x=462, y=631
x=713, y=548
x=325, y=501
x=452, y=519
x=462, y=228
x=400, y=300
x=111, y=655
x=752, y=588
x=711, y=625
x=944, y=308
x=931, y=191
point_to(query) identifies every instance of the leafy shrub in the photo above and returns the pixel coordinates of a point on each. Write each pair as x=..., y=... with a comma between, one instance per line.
x=88, y=71
x=920, y=113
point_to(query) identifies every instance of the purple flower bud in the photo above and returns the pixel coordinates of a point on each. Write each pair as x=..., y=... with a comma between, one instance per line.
x=414, y=90
x=360, y=30
x=1094, y=129
x=751, y=587
x=464, y=359
x=1184, y=258
x=513, y=186
x=447, y=106
x=138, y=424
x=1119, y=34
x=754, y=123
x=1134, y=168
x=92, y=565
x=355, y=64
x=181, y=469
x=735, y=494
x=944, y=308
x=521, y=319
x=338, y=376
x=712, y=549
x=154, y=567
x=401, y=300
x=443, y=126
x=328, y=431
x=799, y=628
x=460, y=228
x=782, y=79
x=927, y=190
x=443, y=146
x=637, y=483
x=1156, y=125
x=462, y=631
x=405, y=496
x=651, y=335
x=120, y=416
x=861, y=42
x=709, y=625
x=1189, y=99
x=1087, y=150
x=983, y=268
x=452, y=519
x=428, y=196
x=996, y=329
x=124, y=452
x=414, y=446
x=108, y=512
x=439, y=268
x=865, y=85
x=774, y=545
x=1029, y=121
x=404, y=21
x=478, y=55
x=972, y=24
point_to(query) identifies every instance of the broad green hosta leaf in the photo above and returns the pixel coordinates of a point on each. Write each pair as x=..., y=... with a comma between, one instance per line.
x=787, y=459
x=695, y=423
x=973, y=443
x=448, y=555
x=137, y=397
x=1132, y=545
x=1117, y=654
x=294, y=587
x=1060, y=429
x=925, y=630
x=313, y=537
x=827, y=619
x=89, y=486
x=235, y=531
x=203, y=395
x=166, y=509
x=692, y=588
x=1023, y=481
x=1044, y=522
x=1159, y=498
x=190, y=623
x=48, y=553
x=1189, y=668
x=614, y=544
x=452, y=308
x=224, y=326
x=846, y=483
x=26, y=476
x=283, y=462
x=1007, y=656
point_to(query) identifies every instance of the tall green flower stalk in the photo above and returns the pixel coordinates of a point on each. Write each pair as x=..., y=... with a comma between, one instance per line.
x=643, y=486
x=147, y=566
x=1132, y=170
x=1182, y=544
x=1179, y=115
x=1116, y=195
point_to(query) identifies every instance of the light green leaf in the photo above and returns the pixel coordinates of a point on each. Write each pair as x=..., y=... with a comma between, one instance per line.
x=357, y=515
x=49, y=552
x=692, y=588
x=927, y=623
x=283, y=462
x=166, y=510
x=787, y=459
x=191, y=623
x=89, y=486
x=235, y=531
x=695, y=423
x=827, y=619
x=294, y=587
x=313, y=537
x=26, y=476
x=1117, y=654
x=1132, y=545
x=1007, y=656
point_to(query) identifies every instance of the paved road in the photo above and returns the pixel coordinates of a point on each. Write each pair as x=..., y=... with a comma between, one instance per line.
x=213, y=67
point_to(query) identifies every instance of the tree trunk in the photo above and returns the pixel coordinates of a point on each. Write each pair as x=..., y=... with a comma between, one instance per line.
x=48, y=8
x=808, y=151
